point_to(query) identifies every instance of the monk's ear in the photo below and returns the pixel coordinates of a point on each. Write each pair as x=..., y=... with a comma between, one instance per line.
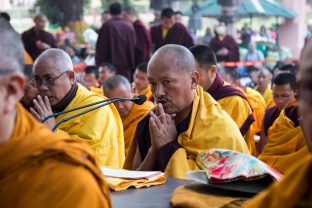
x=71, y=76
x=195, y=79
x=15, y=91
x=213, y=70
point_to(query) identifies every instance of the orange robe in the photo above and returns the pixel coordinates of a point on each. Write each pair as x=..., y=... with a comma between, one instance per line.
x=147, y=92
x=267, y=95
x=132, y=119
x=97, y=90
x=294, y=190
x=42, y=169
x=27, y=58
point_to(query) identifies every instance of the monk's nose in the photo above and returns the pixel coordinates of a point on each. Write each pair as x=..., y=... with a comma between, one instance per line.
x=160, y=91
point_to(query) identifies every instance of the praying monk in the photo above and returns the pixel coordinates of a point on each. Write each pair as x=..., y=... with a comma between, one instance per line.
x=263, y=86
x=36, y=39
x=186, y=122
x=170, y=32
x=231, y=99
x=58, y=91
x=144, y=42
x=39, y=168
x=90, y=79
x=283, y=90
x=254, y=98
x=116, y=42
x=295, y=189
x=130, y=113
x=141, y=85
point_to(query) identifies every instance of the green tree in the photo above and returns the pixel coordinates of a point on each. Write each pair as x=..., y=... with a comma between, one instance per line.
x=106, y=3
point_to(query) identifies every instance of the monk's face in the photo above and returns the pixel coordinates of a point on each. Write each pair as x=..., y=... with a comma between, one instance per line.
x=40, y=22
x=206, y=76
x=90, y=80
x=140, y=80
x=30, y=94
x=105, y=73
x=283, y=95
x=264, y=79
x=123, y=107
x=51, y=81
x=167, y=22
x=172, y=87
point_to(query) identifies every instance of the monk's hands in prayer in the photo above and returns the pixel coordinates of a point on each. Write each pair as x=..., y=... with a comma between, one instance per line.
x=162, y=127
x=223, y=52
x=42, y=109
x=42, y=45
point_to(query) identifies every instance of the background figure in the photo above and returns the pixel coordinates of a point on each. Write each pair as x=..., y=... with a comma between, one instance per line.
x=106, y=70
x=36, y=39
x=90, y=77
x=30, y=92
x=207, y=37
x=116, y=43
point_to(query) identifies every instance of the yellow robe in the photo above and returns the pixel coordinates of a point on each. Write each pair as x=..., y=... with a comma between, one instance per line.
x=239, y=110
x=286, y=144
x=27, y=58
x=267, y=95
x=294, y=190
x=101, y=129
x=98, y=90
x=258, y=105
x=209, y=127
x=42, y=169
x=147, y=92
x=132, y=119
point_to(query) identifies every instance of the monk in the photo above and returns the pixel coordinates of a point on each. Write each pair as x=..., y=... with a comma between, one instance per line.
x=232, y=100
x=143, y=44
x=254, y=98
x=170, y=32
x=283, y=88
x=90, y=79
x=38, y=168
x=141, y=85
x=106, y=70
x=30, y=92
x=116, y=42
x=58, y=90
x=264, y=84
x=36, y=39
x=186, y=122
x=295, y=189
x=130, y=113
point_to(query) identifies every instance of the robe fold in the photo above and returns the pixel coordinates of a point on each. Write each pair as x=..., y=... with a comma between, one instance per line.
x=286, y=143
x=101, y=129
x=177, y=34
x=132, y=119
x=143, y=44
x=42, y=169
x=235, y=103
x=148, y=93
x=30, y=37
x=208, y=127
x=98, y=90
x=116, y=45
x=294, y=190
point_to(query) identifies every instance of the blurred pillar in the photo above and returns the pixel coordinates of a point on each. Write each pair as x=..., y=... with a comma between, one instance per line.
x=292, y=32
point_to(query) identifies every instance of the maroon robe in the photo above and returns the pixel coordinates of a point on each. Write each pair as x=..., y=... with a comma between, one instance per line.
x=230, y=44
x=143, y=45
x=218, y=91
x=116, y=45
x=177, y=34
x=30, y=37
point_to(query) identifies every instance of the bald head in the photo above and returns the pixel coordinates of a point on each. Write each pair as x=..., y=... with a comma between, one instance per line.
x=177, y=56
x=116, y=82
x=58, y=58
x=11, y=50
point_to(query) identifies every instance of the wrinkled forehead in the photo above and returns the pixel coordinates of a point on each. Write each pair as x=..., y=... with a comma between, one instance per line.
x=47, y=67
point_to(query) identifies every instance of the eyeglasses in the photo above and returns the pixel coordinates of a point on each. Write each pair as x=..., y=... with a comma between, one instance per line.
x=49, y=81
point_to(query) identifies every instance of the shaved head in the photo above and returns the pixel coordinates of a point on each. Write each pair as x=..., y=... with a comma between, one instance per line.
x=11, y=50
x=56, y=57
x=177, y=56
x=115, y=82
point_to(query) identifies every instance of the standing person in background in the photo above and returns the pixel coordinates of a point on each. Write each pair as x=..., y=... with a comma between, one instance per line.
x=224, y=45
x=116, y=43
x=36, y=39
x=253, y=54
x=178, y=16
x=170, y=32
x=207, y=37
x=143, y=44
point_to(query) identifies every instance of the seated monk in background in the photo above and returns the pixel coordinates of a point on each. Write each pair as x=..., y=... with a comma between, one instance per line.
x=106, y=70
x=283, y=88
x=295, y=189
x=58, y=90
x=186, y=122
x=232, y=100
x=30, y=92
x=90, y=79
x=141, y=85
x=254, y=98
x=130, y=113
x=263, y=86
x=39, y=168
